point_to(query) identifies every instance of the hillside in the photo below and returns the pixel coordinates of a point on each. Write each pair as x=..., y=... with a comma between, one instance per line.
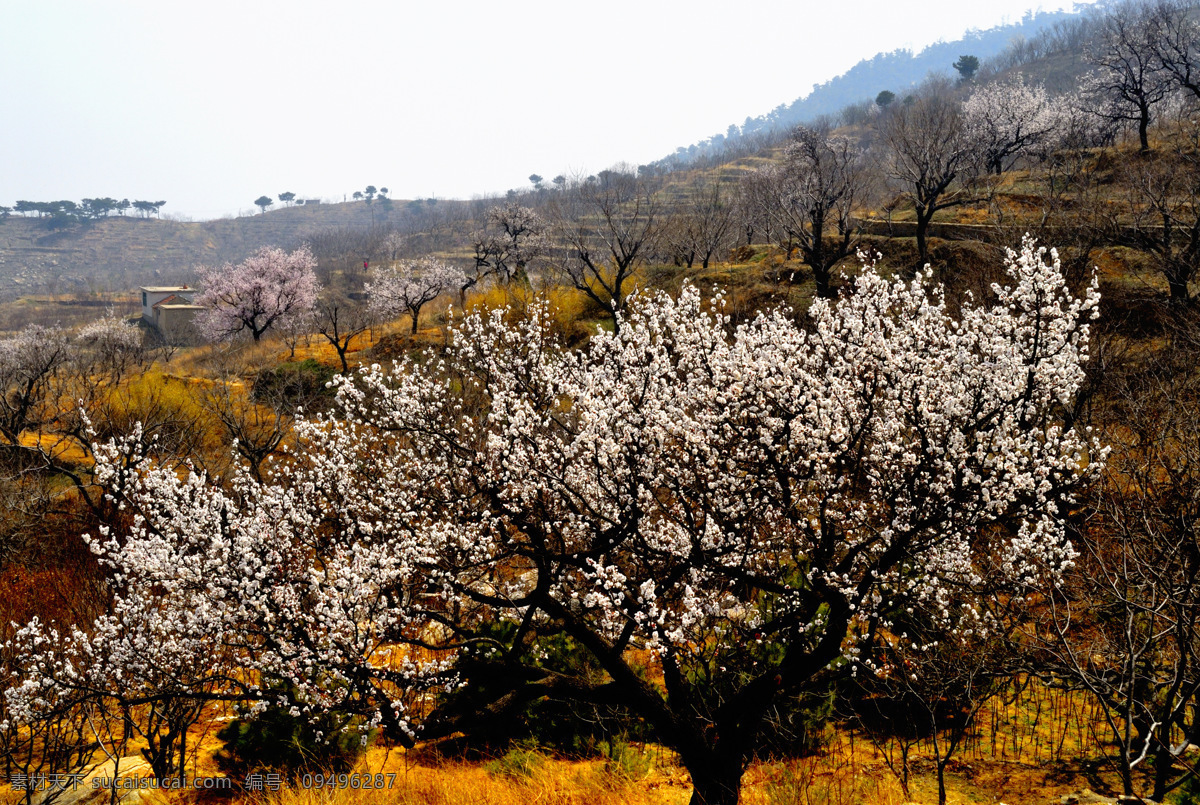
x=119, y=253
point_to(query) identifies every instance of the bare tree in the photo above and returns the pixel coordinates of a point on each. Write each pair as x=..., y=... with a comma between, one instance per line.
x=340, y=320
x=515, y=236
x=1129, y=78
x=1126, y=628
x=930, y=156
x=256, y=428
x=929, y=683
x=1161, y=216
x=753, y=204
x=609, y=224
x=703, y=227
x=813, y=196
x=1176, y=39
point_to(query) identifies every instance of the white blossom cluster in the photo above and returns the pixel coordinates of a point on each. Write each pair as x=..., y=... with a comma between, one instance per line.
x=516, y=236
x=44, y=371
x=1008, y=118
x=409, y=284
x=680, y=482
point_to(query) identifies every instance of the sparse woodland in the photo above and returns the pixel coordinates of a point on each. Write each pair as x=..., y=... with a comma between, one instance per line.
x=860, y=466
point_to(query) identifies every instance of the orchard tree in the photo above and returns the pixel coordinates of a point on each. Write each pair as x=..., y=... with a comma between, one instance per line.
x=53, y=384
x=46, y=376
x=410, y=285
x=755, y=202
x=931, y=156
x=702, y=226
x=257, y=294
x=1160, y=216
x=340, y=320
x=813, y=197
x=1124, y=626
x=515, y=236
x=257, y=424
x=609, y=224
x=705, y=493
x=1007, y=119
x=1176, y=38
x=30, y=363
x=111, y=347
x=1129, y=78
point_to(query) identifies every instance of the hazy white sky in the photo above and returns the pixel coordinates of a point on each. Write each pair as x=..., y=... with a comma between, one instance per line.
x=209, y=105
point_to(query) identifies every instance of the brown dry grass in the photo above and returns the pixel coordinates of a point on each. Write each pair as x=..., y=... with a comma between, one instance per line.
x=1031, y=747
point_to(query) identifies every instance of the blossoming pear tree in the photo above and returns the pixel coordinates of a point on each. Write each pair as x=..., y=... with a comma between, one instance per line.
x=676, y=494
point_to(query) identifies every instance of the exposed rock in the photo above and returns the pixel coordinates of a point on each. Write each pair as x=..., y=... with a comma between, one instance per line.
x=1086, y=797
x=93, y=786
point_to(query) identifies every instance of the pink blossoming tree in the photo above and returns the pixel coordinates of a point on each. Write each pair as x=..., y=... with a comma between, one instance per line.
x=258, y=293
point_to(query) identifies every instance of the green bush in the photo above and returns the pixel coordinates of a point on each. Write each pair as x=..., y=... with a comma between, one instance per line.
x=289, y=386
x=517, y=763
x=562, y=725
x=275, y=739
x=625, y=761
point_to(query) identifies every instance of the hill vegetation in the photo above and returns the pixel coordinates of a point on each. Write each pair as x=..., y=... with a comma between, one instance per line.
x=807, y=475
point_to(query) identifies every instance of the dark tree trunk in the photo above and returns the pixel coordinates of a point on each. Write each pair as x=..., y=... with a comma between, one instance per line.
x=821, y=275
x=923, y=219
x=817, y=258
x=1164, y=764
x=715, y=783
x=1177, y=283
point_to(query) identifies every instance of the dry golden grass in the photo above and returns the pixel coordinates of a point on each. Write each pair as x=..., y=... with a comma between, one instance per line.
x=825, y=780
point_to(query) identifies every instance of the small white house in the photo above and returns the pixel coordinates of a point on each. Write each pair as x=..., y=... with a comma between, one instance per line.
x=169, y=310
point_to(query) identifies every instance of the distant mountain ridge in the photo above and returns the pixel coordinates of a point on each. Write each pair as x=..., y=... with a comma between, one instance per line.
x=897, y=71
